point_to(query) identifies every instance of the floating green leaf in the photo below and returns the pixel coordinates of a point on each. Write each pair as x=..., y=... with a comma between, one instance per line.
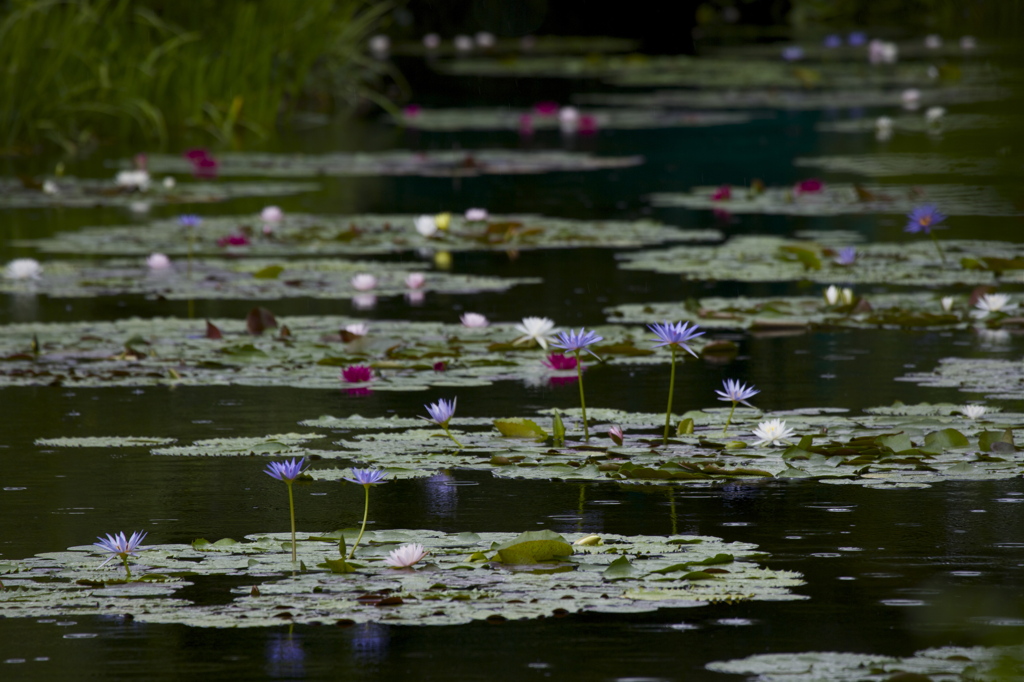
x=533, y=547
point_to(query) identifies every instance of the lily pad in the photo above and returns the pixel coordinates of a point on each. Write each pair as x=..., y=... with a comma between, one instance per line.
x=532, y=45
x=603, y=119
x=250, y=279
x=449, y=587
x=946, y=663
x=775, y=259
x=907, y=164
x=997, y=378
x=845, y=198
x=317, y=235
x=919, y=124
x=303, y=352
x=74, y=192
x=793, y=99
x=103, y=441
x=432, y=163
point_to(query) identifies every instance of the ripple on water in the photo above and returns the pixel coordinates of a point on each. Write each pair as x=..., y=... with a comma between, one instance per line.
x=903, y=602
x=999, y=622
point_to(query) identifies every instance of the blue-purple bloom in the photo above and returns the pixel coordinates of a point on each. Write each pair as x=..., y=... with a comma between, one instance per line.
x=675, y=334
x=924, y=218
x=832, y=41
x=857, y=38
x=367, y=476
x=577, y=341
x=120, y=547
x=189, y=220
x=737, y=392
x=792, y=53
x=847, y=255
x=441, y=412
x=287, y=470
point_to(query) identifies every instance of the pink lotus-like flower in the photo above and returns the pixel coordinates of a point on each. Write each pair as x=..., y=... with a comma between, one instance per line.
x=615, y=433
x=588, y=125
x=415, y=280
x=546, y=108
x=158, y=261
x=364, y=282
x=476, y=214
x=357, y=374
x=271, y=214
x=204, y=165
x=809, y=186
x=358, y=329
x=233, y=240
x=559, y=362
x=441, y=366
x=526, y=125
x=723, y=193
x=406, y=555
x=474, y=320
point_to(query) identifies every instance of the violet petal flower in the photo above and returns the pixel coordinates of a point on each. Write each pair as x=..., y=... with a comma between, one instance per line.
x=287, y=470
x=577, y=341
x=924, y=219
x=189, y=220
x=675, y=334
x=367, y=476
x=120, y=547
x=737, y=392
x=441, y=412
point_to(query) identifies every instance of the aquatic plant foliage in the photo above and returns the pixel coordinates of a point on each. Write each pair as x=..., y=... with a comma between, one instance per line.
x=889, y=446
x=846, y=198
x=74, y=192
x=301, y=352
x=603, y=119
x=904, y=310
x=430, y=163
x=531, y=45
x=465, y=577
x=323, y=235
x=918, y=123
x=796, y=99
x=907, y=164
x=250, y=279
x=775, y=259
x=996, y=378
x=962, y=664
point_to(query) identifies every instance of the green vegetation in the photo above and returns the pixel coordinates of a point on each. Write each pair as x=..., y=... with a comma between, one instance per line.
x=79, y=71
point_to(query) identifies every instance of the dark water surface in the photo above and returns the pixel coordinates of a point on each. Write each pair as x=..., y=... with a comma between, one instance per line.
x=887, y=571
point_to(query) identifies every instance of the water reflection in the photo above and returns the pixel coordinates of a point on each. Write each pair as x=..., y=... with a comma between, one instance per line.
x=370, y=643
x=285, y=657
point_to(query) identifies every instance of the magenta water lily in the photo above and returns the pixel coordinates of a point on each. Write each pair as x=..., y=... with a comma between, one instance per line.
x=287, y=471
x=120, y=547
x=675, y=335
x=575, y=342
x=926, y=218
x=441, y=413
x=736, y=392
x=366, y=478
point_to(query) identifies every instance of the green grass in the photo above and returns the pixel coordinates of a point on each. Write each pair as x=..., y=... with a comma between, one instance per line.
x=77, y=71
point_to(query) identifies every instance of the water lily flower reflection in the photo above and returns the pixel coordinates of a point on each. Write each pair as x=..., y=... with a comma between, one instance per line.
x=406, y=555
x=772, y=432
x=535, y=329
x=120, y=547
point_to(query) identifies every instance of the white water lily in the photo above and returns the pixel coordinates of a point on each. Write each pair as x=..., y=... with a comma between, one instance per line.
x=132, y=179
x=379, y=45
x=883, y=123
x=973, y=411
x=23, y=268
x=358, y=329
x=426, y=225
x=968, y=43
x=169, y=182
x=485, y=39
x=535, y=329
x=463, y=43
x=832, y=295
x=473, y=320
x=992, y=303
x=158, y=261
x=50, y=187
x=934, y=115
x=947, y=303
x=406, y=555
x=415, y=280
x=476, y=214
x=364, y=282
x=271, y=214
x=569, y=120
x=432, y=41
x=772, y=432
x=933, y=41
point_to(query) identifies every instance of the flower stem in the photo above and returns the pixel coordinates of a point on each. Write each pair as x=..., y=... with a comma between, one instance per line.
x=583, y=403
x=291, y=509
x=938, y=248
x=451, y=436
x=191, y=236
x=729, y=420
x=366, y=514
x=671, y=390
x=127, y=570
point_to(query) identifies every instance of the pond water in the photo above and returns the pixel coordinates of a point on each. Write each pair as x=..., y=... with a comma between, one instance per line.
x=887, y=571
